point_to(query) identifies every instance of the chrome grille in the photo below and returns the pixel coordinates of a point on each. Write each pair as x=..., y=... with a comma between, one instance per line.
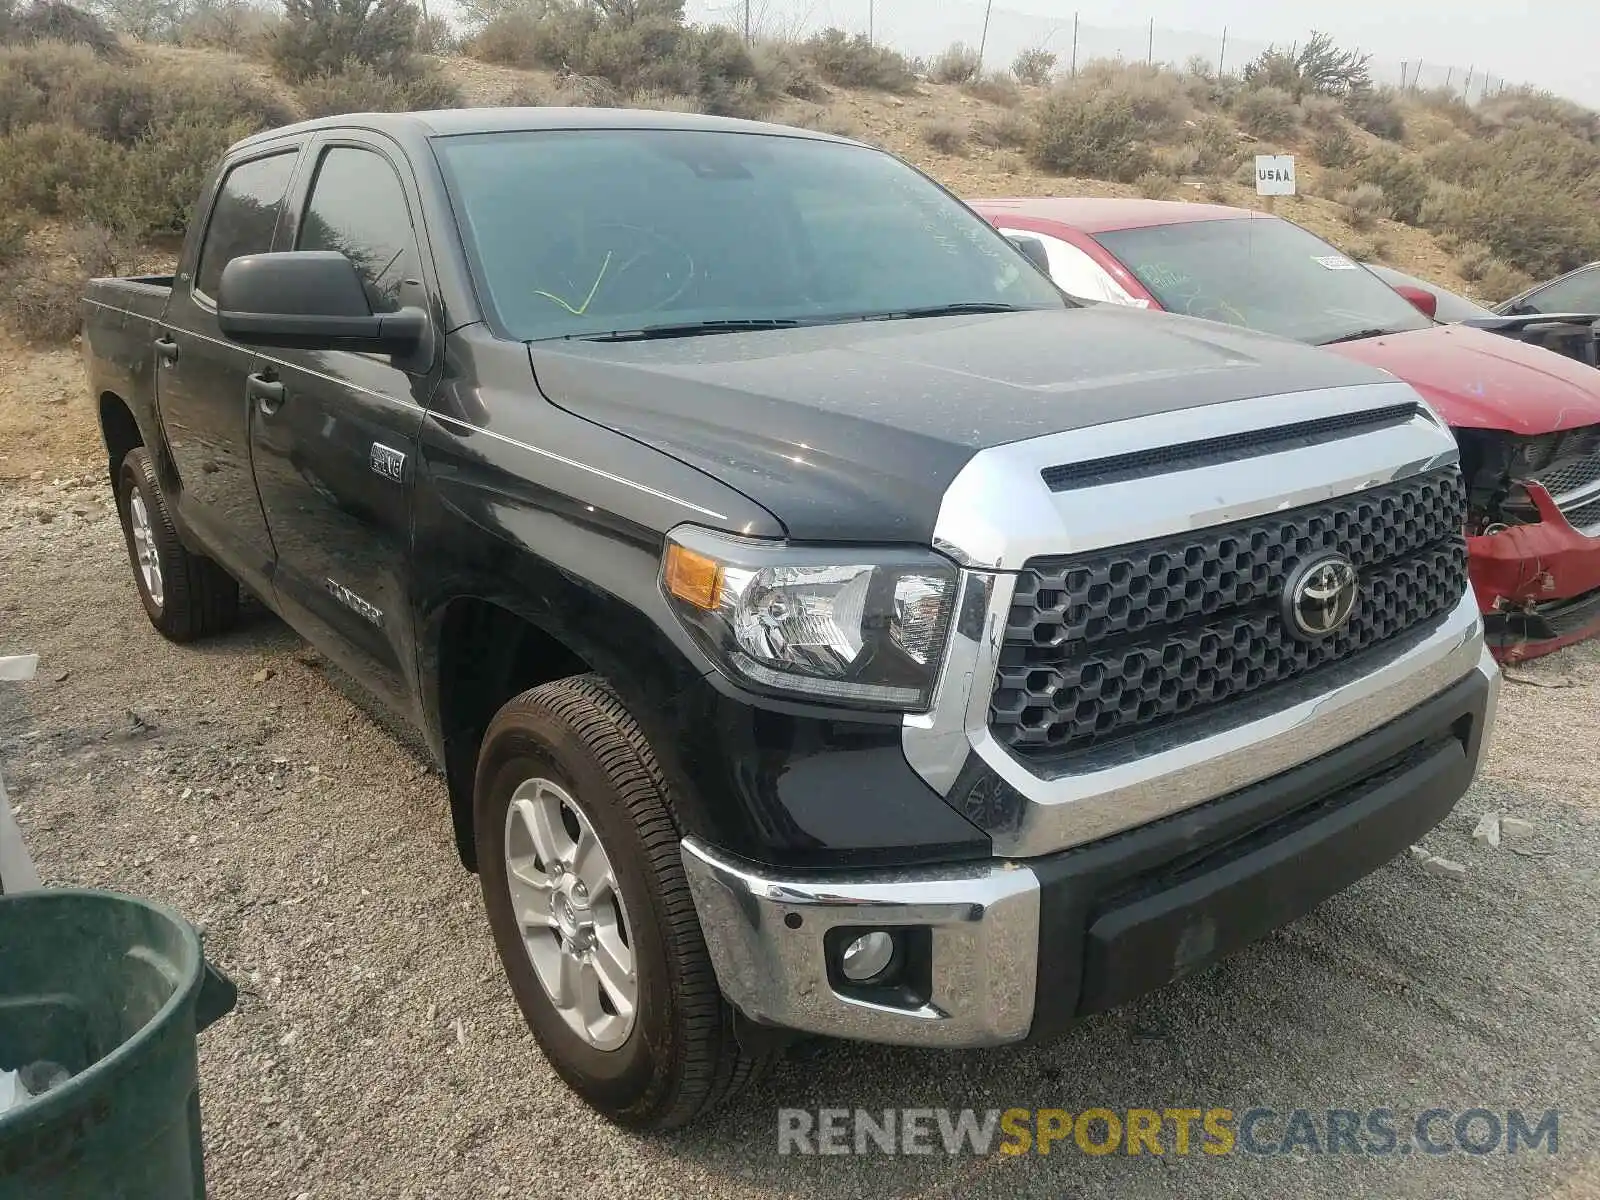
x=1104, y=645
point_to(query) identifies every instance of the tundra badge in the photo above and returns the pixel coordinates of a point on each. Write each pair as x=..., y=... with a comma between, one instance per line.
x=389, y=463
x=355, y=603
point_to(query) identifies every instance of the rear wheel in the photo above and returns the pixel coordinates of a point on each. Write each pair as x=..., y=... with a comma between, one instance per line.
x=185, y=595
x=591, y=913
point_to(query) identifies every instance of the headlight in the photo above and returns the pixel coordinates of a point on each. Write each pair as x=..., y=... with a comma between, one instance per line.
x=864, y=628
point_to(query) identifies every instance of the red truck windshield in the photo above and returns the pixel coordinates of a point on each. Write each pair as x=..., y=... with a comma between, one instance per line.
x=576, y=233
x=1262, y=273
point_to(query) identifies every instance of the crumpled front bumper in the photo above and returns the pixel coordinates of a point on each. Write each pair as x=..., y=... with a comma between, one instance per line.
x=1537, y=585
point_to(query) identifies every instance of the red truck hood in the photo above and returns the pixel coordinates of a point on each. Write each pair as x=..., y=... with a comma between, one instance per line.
x=1480, y=380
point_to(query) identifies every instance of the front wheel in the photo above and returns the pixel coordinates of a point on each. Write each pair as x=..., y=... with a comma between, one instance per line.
x=591, y=912
x=185, y=595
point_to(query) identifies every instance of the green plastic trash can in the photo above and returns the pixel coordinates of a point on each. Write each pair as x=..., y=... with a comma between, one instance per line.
x=114, y=989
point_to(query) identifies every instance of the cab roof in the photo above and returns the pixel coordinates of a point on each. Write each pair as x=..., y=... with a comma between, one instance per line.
x=453, y=122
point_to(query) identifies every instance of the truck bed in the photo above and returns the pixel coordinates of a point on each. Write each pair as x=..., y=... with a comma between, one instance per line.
x=141, y=295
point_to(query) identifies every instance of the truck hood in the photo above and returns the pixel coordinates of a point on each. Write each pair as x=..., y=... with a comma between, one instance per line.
x=854, y=431
x=1481, y=380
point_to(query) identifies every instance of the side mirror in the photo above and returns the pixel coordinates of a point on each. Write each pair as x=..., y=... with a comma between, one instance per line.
x=1425, y=301
x=309, y=300
x=1033, y=249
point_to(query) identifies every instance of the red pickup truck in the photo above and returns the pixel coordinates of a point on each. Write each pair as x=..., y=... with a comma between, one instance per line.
x=1527, y=420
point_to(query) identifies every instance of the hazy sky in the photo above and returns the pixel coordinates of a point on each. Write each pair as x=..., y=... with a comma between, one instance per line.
x=1554, y=43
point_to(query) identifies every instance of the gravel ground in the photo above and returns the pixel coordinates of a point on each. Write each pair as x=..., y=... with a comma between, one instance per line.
x=376, y=1051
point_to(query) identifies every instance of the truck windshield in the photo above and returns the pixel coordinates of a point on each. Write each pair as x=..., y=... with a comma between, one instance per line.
x=1262, y=273
x=582, y=233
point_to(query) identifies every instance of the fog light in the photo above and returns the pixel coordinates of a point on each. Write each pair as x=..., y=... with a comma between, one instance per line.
x=867, y=957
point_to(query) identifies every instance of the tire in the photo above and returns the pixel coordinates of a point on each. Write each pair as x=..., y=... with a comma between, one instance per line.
x=188, y=596
x=590, y=760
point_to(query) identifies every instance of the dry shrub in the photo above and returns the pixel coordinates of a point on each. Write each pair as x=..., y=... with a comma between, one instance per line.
x=946, y=135
x=1089, y=130
x=854, y=61
x=1500, y=282
x=1404, y=181
x=1154, y=95
x=648, y=49
x=1321, y=113
x=318, y=37
x=1473, y=262
x=41, y=296
x=1035, y=66
x=1216, y=146
x=959, y=63
x=783, y=69
x=1541, y=228
x=52, y=21
x=43, y=306
x=1004, y=131
x=1335, y=146
x=1518, y=107
x=1267, y=112
x=996, y=87
x=1154, y=185
x=1364, y=206
x=242, y=26
x=1448, y=104
x=1376, y=248
x=665, y=102
x=359, y=88
x=1378, y=111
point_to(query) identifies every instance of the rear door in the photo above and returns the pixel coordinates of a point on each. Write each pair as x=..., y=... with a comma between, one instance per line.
x=334, y=433
x=201, y=376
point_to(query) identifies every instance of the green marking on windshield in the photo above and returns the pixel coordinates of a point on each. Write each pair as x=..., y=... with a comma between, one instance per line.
x=587, y=300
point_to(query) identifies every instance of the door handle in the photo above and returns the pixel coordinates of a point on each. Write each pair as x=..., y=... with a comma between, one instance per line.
x=166, y=349
x=267, y=392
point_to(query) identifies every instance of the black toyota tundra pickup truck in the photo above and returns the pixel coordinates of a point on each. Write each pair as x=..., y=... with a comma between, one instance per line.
x=822, y=623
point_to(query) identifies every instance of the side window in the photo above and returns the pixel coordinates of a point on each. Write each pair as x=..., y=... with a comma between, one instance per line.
x=244, y=216
x=1579, y=293
x=358, y=208
x=1075, y=273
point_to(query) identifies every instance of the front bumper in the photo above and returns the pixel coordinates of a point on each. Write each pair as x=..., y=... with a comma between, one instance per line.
x=1000, y=951
x=1538, y=584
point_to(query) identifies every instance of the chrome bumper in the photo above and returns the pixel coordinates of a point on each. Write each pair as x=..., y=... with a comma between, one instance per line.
x=765, y=935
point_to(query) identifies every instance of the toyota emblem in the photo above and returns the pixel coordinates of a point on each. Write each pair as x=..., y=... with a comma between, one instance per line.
x=1320, y=595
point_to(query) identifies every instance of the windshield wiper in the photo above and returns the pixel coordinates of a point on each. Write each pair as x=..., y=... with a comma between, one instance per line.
x=946, y=310
x=1358, y=336
x=689, y=329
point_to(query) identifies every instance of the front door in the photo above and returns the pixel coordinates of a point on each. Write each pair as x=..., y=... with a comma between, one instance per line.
x=200, y=377
x=334, y=433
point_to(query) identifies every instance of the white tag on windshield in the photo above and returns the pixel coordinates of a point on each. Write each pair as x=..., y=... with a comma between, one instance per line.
x=1335, y=262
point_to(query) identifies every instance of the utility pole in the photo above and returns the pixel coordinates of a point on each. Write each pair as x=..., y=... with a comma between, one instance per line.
x=1404, y=63
x=746, y=22
x=871, y=16
x=1150, y=46
x=1222, y=55
x=1447, y=76
x=1416, y=77
x=1074, y=45
x=1467, y=87
x=983, y=42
